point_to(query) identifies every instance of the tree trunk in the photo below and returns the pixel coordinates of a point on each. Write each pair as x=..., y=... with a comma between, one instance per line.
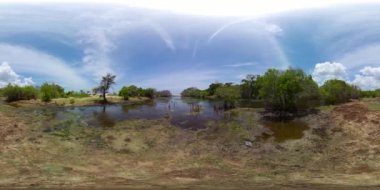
x=104, y=96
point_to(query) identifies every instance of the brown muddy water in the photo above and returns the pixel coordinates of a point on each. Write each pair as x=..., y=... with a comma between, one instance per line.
x=187, y=113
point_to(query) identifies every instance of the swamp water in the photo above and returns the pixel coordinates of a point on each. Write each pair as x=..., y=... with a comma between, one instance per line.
x=187, y=113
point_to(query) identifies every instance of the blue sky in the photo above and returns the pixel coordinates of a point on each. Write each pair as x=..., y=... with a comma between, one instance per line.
x=74, y=44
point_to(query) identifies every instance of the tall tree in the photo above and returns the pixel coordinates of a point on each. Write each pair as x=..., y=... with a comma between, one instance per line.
x=105, y=84
x=249, y=87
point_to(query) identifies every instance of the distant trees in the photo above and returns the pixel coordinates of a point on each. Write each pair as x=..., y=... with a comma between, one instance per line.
x=212, y=88
x=338, y=91
x=370, y=93
x=75, y=94
x=105, y=84
x=194, y=93
x=133, y=91
x=164, y=93
x=15, y=93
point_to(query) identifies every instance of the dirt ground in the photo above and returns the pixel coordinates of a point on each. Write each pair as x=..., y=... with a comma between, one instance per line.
x=340, y=150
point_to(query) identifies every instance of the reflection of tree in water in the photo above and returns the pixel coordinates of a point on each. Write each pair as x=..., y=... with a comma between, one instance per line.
x=104, y=118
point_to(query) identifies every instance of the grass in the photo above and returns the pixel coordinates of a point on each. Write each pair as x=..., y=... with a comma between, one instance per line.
x=75, y=101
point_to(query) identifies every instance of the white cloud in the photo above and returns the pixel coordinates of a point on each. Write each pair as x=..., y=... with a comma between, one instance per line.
x=274, y=29
x=8, y=76
x=240, y=64
x=48, y=67
x=368, y=79
x=329, y=70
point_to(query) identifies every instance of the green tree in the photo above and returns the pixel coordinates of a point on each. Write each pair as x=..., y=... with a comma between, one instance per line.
x=129, y=91
x=105, y=84
x=338, y=91
x=249, y=87
x=282, y=90
x=228, y=93
x=212, y=88
x=194, y=92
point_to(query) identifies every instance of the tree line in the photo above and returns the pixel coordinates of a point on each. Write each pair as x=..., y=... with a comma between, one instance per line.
x=48, y=91
x=288, y=90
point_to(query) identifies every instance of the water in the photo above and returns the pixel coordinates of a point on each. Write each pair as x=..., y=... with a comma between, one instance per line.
x=187, y=113
x=286, y=130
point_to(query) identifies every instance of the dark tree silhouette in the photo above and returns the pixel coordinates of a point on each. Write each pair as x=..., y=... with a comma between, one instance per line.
x=105, y=84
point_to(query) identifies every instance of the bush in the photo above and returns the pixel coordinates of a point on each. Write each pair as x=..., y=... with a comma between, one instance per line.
x=283, y=91
x=228, y=93
x=50, y=91
x=15, y=93
x=337, y=91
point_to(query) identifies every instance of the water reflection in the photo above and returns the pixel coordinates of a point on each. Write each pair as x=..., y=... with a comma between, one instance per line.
x=183, y=112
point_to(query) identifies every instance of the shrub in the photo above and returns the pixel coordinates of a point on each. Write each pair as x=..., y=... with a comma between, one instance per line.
x=50, y=91
x=228, y=93
x=15, y=93
x=337, y=91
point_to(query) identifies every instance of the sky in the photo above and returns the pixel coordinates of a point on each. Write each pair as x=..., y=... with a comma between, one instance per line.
x=173, y=45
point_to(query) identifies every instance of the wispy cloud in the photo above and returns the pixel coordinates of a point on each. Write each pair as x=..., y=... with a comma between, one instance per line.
x=244, y=64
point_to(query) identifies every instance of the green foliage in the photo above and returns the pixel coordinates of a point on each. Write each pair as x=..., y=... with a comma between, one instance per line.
x=228, y=93
x=134, y=91
x=129, y=91
x=50, y=91
x=283, y=90
x=80, y=94
x=194, y=93
x=337, y=91
x=148, y=92
x=370, y=93
x=15, y=93
x=249, y=87
x=164, y=93
x=212, y=88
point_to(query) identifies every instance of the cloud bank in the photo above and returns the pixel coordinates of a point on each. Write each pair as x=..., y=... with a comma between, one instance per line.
x=329, y=70
x=8, y=76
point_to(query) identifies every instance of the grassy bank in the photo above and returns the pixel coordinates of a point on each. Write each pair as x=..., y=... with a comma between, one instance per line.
x=85, y=101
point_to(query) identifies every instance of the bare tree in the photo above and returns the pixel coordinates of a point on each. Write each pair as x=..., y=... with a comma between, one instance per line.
x=105, y=84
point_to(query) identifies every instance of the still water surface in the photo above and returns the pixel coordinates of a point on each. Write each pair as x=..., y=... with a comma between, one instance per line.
x=187, y=113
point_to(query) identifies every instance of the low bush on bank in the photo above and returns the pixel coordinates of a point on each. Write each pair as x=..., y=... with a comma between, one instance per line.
x=15, y=93
x=50, y=91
